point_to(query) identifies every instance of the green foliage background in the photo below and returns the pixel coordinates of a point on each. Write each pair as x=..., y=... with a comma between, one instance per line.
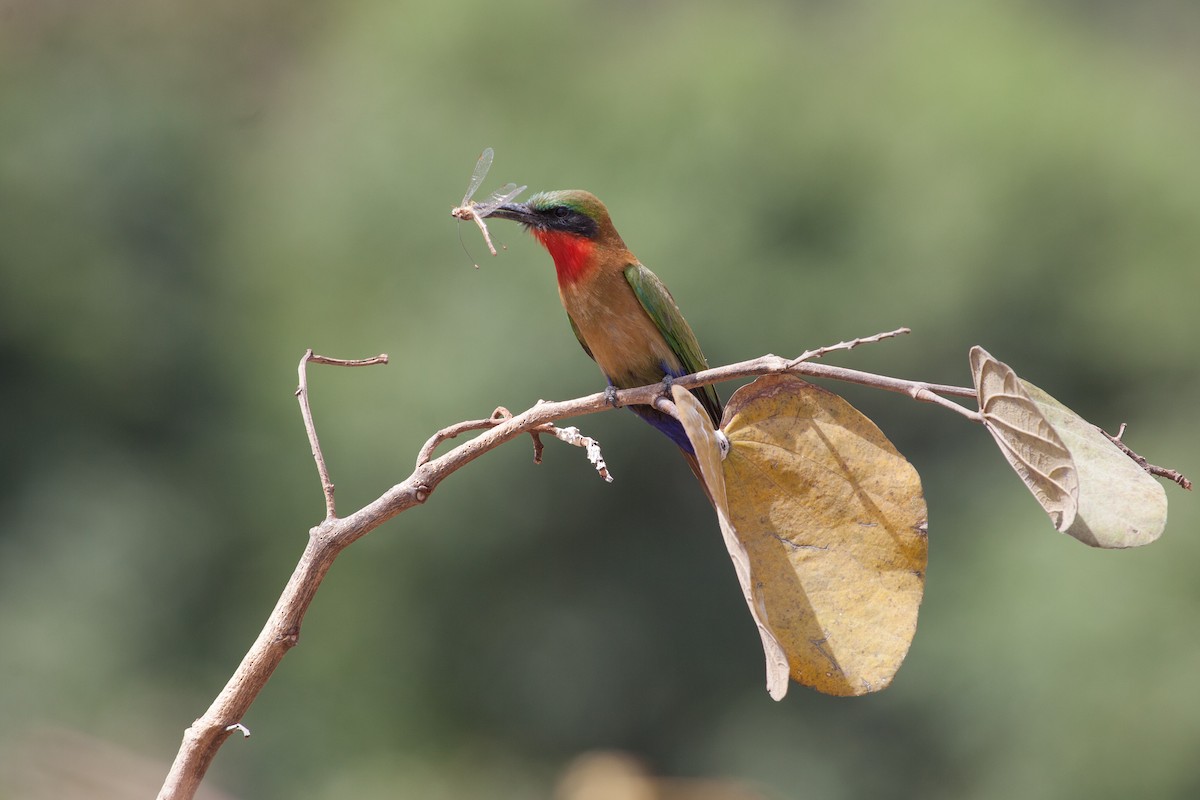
x=190, y=195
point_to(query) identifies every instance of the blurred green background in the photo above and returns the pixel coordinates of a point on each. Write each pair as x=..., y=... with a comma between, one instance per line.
x=191, y=195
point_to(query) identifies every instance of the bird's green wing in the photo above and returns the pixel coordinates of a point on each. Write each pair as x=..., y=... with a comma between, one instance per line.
x=652, y=293
x=582, y=343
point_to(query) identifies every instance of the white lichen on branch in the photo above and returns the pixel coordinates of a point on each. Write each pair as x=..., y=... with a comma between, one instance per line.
x=572, y=435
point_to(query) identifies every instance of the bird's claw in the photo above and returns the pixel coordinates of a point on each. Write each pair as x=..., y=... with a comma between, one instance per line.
x=610, y=396
x=668, y=381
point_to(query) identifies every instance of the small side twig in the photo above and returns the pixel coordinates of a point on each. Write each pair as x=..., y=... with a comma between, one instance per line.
x=808, y=355
x=501, y=415
x=451, y=432
x=1153, y=469
x=327, y=486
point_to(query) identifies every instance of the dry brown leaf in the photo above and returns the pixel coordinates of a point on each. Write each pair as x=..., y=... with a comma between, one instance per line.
x=1026, y=438
x=1114, y=503
x=708, y=452
x=832, y=522
x=1120, y=504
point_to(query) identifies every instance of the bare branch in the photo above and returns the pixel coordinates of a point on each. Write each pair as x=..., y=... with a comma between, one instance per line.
x=772, y=365
x=282, y=629
x=382, y=358
x=849, y=345
x=1153, y=469
x=306, y=412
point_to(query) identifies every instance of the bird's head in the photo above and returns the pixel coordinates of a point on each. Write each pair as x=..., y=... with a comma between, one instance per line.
x=572, y=224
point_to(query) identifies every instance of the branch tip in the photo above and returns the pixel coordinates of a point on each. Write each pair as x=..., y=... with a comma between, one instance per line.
x=382, y=358
x=808, y=355
x=1172, y=475
x=237, y=726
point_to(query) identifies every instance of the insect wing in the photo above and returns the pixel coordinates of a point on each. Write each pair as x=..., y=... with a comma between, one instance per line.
x=504, y=194
x=481, y=170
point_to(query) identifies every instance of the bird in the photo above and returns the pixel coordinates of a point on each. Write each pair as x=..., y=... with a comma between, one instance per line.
x=622, y=313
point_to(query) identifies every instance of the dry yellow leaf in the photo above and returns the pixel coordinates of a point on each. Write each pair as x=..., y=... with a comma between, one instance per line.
x=708, y=452
x=832, y=521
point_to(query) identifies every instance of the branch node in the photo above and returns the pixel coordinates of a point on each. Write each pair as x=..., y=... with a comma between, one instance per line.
x=422, y=492
x=291, y=637
x=666, y=406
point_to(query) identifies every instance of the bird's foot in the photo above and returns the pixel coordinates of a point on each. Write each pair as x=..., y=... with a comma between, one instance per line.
x=610, y=396
x=668, y=381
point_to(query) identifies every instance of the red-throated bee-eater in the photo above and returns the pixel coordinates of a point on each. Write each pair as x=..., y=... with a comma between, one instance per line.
x=620, y=311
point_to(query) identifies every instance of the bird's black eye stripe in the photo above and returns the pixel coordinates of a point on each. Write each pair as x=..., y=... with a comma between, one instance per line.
x=565, y=218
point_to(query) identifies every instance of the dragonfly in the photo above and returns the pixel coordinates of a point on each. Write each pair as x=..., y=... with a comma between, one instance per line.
x=476, y=210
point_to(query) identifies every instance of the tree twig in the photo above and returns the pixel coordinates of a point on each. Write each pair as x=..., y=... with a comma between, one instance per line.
x=306, y=413
x=1153, y=469
x=499, y=415
x=452, y=432
x=849, y=345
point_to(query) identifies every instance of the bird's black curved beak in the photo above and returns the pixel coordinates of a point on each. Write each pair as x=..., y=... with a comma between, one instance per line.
x=517, y=212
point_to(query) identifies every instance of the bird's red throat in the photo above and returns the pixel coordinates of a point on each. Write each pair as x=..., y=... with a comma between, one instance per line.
x=572, y=254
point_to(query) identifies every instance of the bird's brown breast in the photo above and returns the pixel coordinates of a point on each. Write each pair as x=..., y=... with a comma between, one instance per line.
x=622, y=338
